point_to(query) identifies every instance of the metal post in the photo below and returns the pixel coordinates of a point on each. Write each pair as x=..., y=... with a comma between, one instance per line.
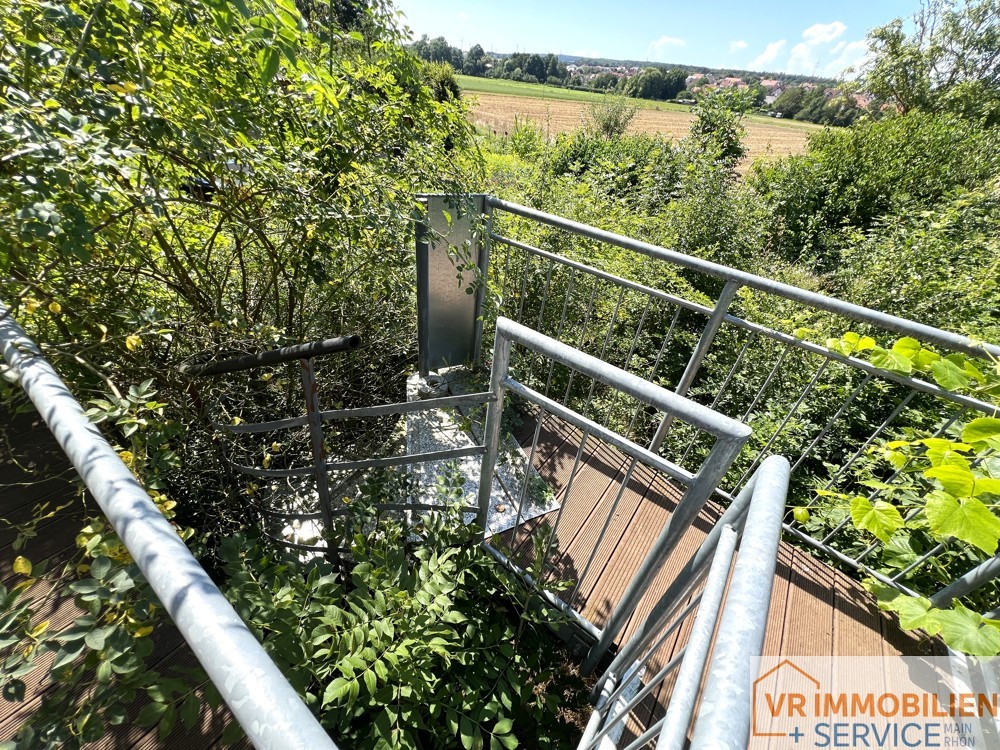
x=486, y=215
x=726, y=705
x=698, y=355
x=491, y=431
x=318, y=452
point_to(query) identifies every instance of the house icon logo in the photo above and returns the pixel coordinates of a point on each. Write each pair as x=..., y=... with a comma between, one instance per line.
x=782, y=697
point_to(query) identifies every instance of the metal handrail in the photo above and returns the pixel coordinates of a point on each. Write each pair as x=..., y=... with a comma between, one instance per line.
x=726, y=636
x=718, y=316
x=263, y=702
x=820, y=301
x=274, y=356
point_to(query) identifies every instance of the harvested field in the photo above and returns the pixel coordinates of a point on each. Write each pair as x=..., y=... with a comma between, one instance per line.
x=495, y=112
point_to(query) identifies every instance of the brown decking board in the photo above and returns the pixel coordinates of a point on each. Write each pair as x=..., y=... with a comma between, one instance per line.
x=814, y=608
x=40, y=473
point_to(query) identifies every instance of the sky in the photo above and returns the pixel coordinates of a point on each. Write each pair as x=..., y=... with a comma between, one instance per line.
x=780, y=36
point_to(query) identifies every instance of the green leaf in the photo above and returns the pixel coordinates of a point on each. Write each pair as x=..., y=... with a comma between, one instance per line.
x=881, y=519
x=22, y=566
x=104, y=672
x=968, y=520
x=967, y=631
x=13, y=691
x=336, y=690
x=981, y=430
x=948, y=375
x=190, y=710
x=890, y=360
x=100, y=567
x=268, y=60
x=503, y=726
x=907, y=347
x=232, y=734
x=956, y=480
x=915, y=612
x=151, y=714
x=95, y=639
x=986, y=485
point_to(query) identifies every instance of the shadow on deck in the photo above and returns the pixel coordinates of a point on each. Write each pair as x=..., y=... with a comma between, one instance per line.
x=28, y=452
x=815, y=609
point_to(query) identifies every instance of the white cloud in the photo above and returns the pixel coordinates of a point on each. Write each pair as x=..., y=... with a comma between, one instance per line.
x=823, y=33
x=768, y=56
x=853, y=54
x=838, y=47
x=737, y=46
x=657, y=49
x=801, y=60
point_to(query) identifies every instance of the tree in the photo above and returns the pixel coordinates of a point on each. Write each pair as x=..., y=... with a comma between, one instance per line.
x=475, y=61
x=535, y=66
x=649, y=84
x=790, y=102
x=673, y=83
x=717, y=130
x=951, y=62
x=552, y=67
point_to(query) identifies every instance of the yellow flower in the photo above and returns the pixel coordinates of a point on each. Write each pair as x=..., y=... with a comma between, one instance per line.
x=30, y=305
x=55, y=308
x=133, y=342
x=127, y=458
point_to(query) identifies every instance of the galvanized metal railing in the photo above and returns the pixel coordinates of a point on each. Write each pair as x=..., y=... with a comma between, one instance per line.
x=704, y=350
x=320, y=469
x=725, y=638
x=265, y=705
x=729, y=437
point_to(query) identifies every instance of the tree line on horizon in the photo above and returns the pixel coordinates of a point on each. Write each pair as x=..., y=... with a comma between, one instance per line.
x=654, y=82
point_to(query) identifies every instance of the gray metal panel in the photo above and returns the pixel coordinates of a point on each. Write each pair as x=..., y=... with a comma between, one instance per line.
x=448, y=303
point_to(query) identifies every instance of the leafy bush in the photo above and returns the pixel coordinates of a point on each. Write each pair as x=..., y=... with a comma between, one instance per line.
x=427, y=644
x=612, y=115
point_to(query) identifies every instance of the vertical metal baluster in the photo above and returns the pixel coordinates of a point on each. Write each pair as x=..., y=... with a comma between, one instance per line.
x=491, y=430
x=527, y=470
x=319, y=457
x=871, y=438
x=524, y=286
x=832, y=421
x=628, y=359
x=656, y=364
x=538, y=325
x=604, y=349
x=564, y=501
x=562, y=323
x=767, y=382
x=604, y=531
x=708, y=334
x=582, y=338
x=722, y=390
x=774, y=436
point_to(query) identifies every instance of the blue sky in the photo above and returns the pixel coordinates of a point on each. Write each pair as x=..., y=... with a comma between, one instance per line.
x=788, y=36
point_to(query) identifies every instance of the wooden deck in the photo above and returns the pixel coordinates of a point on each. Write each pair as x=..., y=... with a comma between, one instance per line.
x=28, y=452
x=815, y=610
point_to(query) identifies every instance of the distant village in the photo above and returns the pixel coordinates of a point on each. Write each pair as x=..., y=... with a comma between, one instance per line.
x=805, y=98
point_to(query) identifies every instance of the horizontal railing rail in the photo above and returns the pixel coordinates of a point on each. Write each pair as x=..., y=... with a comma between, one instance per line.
x=729, y=437
x=737, y=365
x=937, y=336
x=264, y=704
x=274, y=356
x=727, y=620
